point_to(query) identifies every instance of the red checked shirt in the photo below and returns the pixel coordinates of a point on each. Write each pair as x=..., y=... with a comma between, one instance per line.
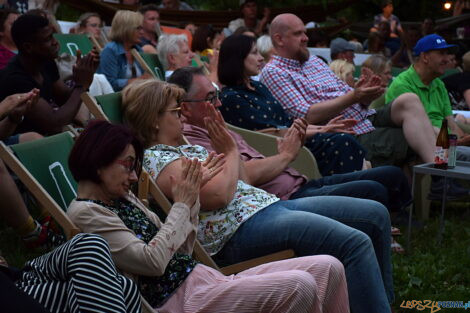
x=298, y=86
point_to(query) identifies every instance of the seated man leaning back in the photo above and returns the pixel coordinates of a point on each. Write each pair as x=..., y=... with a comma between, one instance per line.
x=306, y=87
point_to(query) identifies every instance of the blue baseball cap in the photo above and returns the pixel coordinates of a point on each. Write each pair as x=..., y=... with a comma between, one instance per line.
x=431, y=42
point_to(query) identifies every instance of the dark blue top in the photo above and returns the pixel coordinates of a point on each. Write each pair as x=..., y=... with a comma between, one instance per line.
x=252, y=109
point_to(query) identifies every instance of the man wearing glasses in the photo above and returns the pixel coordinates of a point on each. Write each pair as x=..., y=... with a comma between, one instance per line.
x=385, y=184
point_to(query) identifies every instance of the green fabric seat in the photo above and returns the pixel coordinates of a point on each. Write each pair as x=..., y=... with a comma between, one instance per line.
x=70, y=43
x=111, y=106
x=154, y=63
x=47, y=161
x=266, y=144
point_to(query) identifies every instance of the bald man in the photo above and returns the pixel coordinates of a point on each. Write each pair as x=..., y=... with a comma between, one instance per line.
x=306, y=87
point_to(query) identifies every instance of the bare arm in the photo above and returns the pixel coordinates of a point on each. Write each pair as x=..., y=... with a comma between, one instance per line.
x=454, y=127
x=466, y=95
x=260, y=171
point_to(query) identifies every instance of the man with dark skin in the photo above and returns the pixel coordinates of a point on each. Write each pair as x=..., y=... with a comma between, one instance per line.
x=34, y=67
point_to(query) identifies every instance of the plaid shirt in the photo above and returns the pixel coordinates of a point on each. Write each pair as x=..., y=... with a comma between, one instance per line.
x=298, y=86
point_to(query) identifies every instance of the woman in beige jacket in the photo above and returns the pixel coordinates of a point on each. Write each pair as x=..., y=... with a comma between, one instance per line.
x=105, y=161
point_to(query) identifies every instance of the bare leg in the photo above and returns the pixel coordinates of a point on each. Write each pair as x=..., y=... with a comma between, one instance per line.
x=12, y=208
x=408, y=112
x=31, y=136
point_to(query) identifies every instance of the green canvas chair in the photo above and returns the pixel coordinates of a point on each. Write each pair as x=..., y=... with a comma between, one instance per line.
x=150, y=63
x=42, y=165
x=70, y=43
x=266, y=144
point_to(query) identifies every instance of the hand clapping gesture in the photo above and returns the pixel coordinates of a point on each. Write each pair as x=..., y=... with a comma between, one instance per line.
x=185, y=189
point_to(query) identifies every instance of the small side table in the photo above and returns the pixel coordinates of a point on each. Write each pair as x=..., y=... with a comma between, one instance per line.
x=461, y=171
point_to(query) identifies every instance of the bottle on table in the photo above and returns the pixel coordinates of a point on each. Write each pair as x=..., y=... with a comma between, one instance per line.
x=441, y=153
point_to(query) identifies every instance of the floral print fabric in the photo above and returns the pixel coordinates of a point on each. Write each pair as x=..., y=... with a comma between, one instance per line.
x=215, y=227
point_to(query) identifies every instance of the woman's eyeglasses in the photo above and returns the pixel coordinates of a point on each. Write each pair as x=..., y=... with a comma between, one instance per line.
x=176, y=110
x=129, y=164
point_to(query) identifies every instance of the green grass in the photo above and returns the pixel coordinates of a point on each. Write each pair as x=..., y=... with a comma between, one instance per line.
x=428, y=272
x=432, y=271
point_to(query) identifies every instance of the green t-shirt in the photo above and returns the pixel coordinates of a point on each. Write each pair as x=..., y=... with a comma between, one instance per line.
x=434, y=96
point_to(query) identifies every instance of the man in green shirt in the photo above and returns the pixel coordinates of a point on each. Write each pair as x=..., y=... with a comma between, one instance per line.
x=422, y=79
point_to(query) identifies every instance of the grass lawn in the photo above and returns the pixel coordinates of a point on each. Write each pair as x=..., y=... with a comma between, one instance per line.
x=428, y=272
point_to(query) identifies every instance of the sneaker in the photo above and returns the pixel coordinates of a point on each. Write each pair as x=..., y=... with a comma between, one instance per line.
x=44, y=237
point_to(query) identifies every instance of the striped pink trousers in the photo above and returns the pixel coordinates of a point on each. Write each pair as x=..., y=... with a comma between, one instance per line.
x=306, y=284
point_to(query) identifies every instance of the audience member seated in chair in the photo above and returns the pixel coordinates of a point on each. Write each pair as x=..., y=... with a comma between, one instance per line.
x=240, y=222
x=66, y=279
x=151, y=28
x=106, y=160
x=344, y=70
x=90, y=23
x=34, y=67
x=385, y=184
x=306, y=87
x=249, y=104
x=7, y=45
x=117, y=62
x=174, y=53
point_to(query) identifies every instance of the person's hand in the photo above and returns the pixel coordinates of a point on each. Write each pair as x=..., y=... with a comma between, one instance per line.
x=365, y=95
x=146, y=75
x=20, y=104
x=290, y=144
x=212, y=166
x=186, y=188
x=221, y=140
x=85, y=67
x=335, y=125
x=213, y=61
x=266, y=15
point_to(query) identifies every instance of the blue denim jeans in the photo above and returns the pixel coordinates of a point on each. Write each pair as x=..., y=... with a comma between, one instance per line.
x=355, y=231
x=385, y=184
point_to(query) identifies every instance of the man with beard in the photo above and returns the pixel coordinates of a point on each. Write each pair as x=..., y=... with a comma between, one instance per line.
x=306, y=87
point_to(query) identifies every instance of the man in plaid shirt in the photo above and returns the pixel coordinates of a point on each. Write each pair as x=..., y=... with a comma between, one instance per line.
x=306, y=87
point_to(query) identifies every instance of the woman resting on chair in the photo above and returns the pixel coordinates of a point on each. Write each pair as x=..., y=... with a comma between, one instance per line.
x=240, y=222
x=116, y=60
x=106, y=160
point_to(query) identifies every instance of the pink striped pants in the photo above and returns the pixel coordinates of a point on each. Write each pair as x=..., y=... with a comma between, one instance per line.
x=306, y=284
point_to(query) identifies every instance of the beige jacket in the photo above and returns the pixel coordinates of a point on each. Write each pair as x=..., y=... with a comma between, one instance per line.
x=131, y=254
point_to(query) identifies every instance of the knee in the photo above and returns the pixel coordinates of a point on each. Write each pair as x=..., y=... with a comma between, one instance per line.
x=31, y=136
x=93, y=241
x=301, y=283
x=408, y=101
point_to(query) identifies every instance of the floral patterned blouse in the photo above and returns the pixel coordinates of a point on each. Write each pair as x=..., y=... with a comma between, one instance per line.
x=218, y=226
x=155, y=289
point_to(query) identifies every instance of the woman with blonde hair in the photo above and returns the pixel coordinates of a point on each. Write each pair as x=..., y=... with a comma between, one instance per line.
x=344, y=70
x=116, y=60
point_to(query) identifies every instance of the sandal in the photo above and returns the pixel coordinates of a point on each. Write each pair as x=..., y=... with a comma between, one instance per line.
x=395, y=231
x=396, y=247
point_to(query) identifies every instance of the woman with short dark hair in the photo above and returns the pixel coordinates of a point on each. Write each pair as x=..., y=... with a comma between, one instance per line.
x=105, y=160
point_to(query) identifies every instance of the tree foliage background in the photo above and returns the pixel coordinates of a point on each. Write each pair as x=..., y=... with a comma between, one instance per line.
x=415, y=10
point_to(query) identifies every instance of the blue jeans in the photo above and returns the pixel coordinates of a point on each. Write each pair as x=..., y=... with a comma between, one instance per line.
x=385, y=184
x=355, y=231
